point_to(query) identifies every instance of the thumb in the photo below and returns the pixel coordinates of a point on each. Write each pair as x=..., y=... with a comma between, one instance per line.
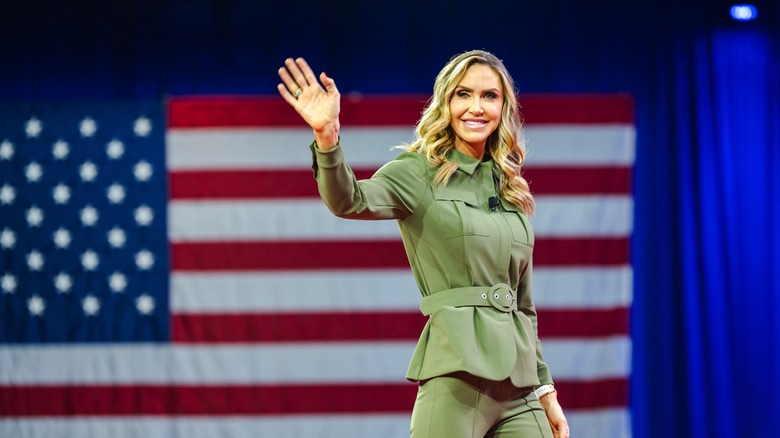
x=328, y=82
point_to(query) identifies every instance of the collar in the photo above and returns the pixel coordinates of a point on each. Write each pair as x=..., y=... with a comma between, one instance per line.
x=466, y=163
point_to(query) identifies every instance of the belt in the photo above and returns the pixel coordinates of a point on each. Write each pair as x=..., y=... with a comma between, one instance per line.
x=499, y=296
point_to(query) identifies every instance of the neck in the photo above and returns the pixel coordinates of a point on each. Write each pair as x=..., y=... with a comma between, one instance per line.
x=477, y=152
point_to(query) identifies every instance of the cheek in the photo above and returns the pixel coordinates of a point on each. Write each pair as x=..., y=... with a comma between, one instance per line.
x=495, y=111
x=456, y=110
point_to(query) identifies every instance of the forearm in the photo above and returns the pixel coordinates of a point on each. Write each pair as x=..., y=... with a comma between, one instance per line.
x=555, y=416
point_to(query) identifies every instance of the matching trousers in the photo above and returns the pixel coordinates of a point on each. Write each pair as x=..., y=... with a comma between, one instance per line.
x=460, y=405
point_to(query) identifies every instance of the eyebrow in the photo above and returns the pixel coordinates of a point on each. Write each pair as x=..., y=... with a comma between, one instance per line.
x=463, y=87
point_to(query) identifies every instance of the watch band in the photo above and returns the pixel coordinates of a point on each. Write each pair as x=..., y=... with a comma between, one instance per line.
x=544, y=390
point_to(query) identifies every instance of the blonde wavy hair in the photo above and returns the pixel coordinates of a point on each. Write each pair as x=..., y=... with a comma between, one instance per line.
x=435, y=139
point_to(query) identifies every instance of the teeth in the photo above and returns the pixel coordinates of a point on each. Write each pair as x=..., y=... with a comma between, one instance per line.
x=475, y=124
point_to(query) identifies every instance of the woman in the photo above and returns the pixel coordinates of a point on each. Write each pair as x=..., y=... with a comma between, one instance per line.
x=462, y=208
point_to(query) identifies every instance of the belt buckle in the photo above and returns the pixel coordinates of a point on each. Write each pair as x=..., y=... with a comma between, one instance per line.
x=502, y=297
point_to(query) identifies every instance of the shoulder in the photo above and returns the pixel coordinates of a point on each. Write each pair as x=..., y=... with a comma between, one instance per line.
x=411, y=163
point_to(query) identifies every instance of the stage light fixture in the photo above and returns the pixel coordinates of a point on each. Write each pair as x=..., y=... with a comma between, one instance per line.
x=744, y=12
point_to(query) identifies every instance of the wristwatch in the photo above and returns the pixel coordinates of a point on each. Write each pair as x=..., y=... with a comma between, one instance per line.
x=544, y=390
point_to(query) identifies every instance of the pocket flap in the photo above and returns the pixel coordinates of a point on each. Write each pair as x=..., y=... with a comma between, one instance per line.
x=448, y=194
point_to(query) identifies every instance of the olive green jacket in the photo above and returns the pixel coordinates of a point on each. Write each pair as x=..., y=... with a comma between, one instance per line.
x=474, y=260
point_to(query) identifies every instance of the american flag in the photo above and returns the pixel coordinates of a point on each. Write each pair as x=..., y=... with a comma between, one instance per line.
x=167, y=269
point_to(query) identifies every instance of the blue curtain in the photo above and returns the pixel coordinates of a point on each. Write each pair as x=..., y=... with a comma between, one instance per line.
x=707, y=268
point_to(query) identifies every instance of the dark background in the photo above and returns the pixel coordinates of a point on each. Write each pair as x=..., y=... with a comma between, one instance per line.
x=706, y=310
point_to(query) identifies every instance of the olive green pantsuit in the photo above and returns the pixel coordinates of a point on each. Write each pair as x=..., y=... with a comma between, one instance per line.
x=472, y=263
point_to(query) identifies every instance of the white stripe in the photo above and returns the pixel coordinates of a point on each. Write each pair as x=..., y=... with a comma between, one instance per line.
x=326, y=362
x=598, y=423
x=390, y=290
x=577, y=216
x=293, y=292
x=309, y=219
x=282, y=426
x=580, y=145
x=583, y=288
x=613, y=423
x=588, y=359
x=249, y=148
x=268, y=220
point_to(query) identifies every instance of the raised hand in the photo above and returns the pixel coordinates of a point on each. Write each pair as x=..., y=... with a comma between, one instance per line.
x=319, y=107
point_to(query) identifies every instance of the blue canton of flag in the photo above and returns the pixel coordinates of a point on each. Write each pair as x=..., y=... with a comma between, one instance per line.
x=83, y=246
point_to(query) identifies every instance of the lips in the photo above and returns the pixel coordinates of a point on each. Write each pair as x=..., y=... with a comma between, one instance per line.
x=475, y=123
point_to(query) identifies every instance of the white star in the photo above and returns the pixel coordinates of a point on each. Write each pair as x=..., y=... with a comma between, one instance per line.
x=88, y=171
x=88, y=127
x=142, y=171
x=144, y=259
x=144, y=215
x=60, y=150
x=91, y=305
x=34, y=216
x=33, y=171
x=117, y=282
x=62, y=238
x=35, y=260
x=7, y=238
x=116, y=193
x=8, y=283
x=63, y=283
x=90, y=260
x=61, y=194
x=36, y=305
x=115, y=149
x=144, y=304
x=7, y=194
x=142, y=126
x=116, y=237
x=6, y=150
x=33, y=127
x=89, y=215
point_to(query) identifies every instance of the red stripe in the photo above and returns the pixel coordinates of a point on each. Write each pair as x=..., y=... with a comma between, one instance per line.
x=232, y=400
x=581, y=251
x=544, y=109
x=583, y=323
x=369, y=326
x=612, y=180
x=204, y=400
x=265, y=184
x=593, y=394
x=234, y=111
x=367, y=254
x=247, y=184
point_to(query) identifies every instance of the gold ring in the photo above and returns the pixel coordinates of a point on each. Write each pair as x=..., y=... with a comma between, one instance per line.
x=297, y=92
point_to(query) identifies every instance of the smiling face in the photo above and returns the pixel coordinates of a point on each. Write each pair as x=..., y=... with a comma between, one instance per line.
x=475, y=109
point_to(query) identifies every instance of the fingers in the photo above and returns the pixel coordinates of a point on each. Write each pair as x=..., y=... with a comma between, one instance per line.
x=296, y=75
x=298, y=78
x=290, y=84
x=286, y=95
x=307, y=72
x=329, y=83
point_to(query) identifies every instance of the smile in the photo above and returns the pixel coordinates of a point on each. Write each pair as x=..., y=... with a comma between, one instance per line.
x=474, y=124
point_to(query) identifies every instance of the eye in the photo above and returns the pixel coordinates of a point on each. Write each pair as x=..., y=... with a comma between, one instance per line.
x=462, y=93
x=490, y=95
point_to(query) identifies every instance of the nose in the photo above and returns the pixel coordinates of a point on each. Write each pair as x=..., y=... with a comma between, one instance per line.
x=475, y=107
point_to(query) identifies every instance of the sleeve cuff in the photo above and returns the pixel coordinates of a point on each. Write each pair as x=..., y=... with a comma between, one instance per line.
x=333, y=157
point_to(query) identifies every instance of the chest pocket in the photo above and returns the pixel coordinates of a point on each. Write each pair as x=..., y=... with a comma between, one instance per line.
x=522, y=232
x=459, y=214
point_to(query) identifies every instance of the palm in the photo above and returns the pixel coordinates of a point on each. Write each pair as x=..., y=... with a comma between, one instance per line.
x=318, y=105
